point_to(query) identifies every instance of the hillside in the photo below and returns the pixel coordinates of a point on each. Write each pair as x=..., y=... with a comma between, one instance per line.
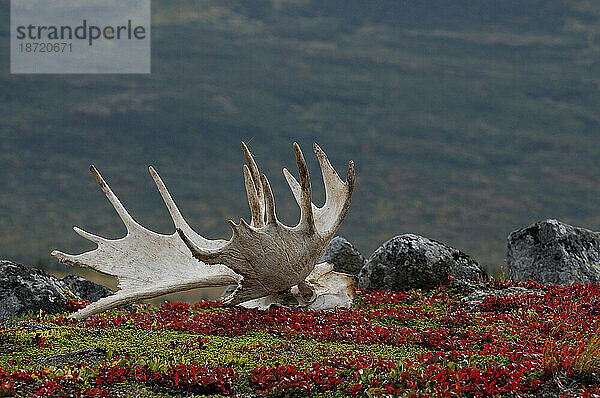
x=465, y=123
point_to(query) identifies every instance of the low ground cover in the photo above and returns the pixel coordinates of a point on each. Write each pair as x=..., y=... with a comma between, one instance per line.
x=541, y=342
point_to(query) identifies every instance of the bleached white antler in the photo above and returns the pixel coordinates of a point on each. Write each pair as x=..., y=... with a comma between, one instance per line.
x=264, y=257
x=147, y=264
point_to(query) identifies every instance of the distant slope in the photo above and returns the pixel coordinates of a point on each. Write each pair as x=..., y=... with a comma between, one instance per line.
x=465, y=122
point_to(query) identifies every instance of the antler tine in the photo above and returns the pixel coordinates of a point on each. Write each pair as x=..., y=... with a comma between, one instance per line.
x=306, y=211
x=351, y=177
x=349, y=188
x=253, y=170
x=337, y=194
x=251, y=161
x=331, y=179
x=178, y=219
x=256, y=205
x=254, y=189
x=176, y=216
x=208, y=256
x=89, y=236
x=270, y=200
x=293, y=183
x=129, y=222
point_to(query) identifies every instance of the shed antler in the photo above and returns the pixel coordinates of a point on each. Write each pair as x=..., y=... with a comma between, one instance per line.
x=273, y=257
x=265, y=257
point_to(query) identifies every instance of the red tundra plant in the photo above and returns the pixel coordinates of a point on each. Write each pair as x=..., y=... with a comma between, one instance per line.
x=284, y=380
x=74, y=305
x=200, y=379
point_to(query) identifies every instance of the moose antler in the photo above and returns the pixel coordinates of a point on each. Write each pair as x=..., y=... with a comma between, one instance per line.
x=264, y=257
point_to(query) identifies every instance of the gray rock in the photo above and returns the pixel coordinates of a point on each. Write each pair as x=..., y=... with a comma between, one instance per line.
x=24, y=289
x=228, y=290
x=464, y=286
x=85, y=289
x=473, y=300
x=551, y=252
x=87, y=356
x=412, y=261
x=344, y=256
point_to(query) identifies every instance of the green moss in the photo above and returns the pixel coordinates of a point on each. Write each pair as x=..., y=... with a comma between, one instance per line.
x=20, y=349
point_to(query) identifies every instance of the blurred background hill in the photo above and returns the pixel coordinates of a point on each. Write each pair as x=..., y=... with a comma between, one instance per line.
x=466, y=120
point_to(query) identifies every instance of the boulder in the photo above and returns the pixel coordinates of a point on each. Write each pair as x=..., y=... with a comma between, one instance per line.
x=551, y=252
x=24, y=289
x=85, y=289
x=412, y=261
x=344, y=256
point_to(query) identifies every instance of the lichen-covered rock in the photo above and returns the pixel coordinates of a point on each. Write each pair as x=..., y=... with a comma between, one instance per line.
x=412, y=261
x=551, y=252
x=85, y=289
x=344, y=256
x=24, y=289
x=86, y=356
x=476, y=298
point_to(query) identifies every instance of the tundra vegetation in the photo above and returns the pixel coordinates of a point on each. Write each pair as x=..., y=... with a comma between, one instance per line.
x=541, y=342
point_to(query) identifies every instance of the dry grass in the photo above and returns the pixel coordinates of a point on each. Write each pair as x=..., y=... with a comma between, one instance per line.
x=586, y=363
x=580, y=360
